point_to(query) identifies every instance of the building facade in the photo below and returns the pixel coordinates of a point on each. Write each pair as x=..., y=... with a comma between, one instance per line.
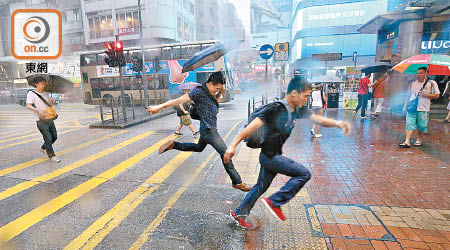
x=217, y=20
x=331, y=26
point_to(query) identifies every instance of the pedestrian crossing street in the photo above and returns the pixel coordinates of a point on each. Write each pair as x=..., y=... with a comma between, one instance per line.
x=106, y=173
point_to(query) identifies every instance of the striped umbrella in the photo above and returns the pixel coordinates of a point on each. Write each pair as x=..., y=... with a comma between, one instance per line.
x=437, y=64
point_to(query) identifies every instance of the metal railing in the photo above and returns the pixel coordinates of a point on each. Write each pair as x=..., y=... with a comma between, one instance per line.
x=134, y=108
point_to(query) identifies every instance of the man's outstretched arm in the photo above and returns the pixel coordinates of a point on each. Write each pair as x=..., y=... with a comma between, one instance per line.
x=180, y=100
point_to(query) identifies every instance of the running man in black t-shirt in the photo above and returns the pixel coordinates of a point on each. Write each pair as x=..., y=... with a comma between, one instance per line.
x=278, y=129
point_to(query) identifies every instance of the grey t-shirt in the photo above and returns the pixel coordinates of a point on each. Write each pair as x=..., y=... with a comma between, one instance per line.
x=430, y=88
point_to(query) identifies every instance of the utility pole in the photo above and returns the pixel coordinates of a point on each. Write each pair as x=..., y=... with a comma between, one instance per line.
x=144, y=77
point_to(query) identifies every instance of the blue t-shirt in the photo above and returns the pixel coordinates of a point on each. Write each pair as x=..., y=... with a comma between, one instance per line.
x=205, y=107
x=277, y=131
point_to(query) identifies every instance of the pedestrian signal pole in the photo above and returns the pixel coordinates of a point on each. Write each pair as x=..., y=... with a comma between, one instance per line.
x=120, y=63
x=144, y=76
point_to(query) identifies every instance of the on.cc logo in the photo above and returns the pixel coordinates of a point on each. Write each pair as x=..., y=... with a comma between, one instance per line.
x=36, y=29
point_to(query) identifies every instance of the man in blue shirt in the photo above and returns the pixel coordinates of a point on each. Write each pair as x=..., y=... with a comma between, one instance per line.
x=278, y=127
x=206, y=106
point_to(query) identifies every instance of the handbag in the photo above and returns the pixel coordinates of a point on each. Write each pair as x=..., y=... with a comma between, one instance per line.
x=411, y=107
x=193, y=112
x=50, y=112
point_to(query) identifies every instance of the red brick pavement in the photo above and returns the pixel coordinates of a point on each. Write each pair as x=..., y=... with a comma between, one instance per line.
x=367, y=168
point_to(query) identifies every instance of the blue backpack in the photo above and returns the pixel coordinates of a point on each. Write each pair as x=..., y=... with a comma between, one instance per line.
x=256, y=138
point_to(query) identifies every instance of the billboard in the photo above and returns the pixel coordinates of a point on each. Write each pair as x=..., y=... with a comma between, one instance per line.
x=270, y=15
x=364, y=44
x=342, y=14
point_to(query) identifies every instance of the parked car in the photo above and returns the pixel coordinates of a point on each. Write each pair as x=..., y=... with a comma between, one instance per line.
x=20, y=96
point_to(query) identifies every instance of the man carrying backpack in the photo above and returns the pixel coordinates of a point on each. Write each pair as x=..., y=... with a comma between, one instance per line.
x=277, y=121
x=205, y=108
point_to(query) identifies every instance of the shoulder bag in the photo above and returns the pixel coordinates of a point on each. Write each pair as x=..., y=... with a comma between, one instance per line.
x=50, y=112
x=411, y=107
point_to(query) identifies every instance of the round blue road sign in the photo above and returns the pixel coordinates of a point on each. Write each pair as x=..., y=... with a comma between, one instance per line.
x=266, y=51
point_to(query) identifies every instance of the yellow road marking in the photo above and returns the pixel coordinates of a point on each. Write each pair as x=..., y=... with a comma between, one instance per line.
x=77, y=123
x=10, y=134
x=92, y=236
x=20, y=137
x=35, y=181
x=35, y=139
x=62, y=152
x=160, y=217
x=17, y=226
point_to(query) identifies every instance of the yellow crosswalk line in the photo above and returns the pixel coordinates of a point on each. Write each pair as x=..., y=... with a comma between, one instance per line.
x=20, y=137
x=16, y=132
x=17, y=226
x=172, y=200
x=62, y=152
x=35, y=139
x=103, y=226
x=46, y=177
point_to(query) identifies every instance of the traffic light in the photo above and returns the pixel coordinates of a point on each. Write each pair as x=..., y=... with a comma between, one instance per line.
x=119, y=53
x=156, y=65
x=110, y=52
x=137, y=65
x=114, y=51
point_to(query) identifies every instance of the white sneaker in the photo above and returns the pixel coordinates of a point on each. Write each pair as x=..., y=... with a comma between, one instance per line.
x=312, y=131
x=196, y=134
x=55, y=159
x=354, y=113
x=317, y=135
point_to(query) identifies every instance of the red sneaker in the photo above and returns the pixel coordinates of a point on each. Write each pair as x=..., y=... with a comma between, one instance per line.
x=276, y=211
x=240, y=220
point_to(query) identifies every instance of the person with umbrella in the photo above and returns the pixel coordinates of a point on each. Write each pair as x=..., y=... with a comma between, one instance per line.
x=363, y=95
x=39, y=102
x=183, y=110
x=206, y=107
x=424, y=89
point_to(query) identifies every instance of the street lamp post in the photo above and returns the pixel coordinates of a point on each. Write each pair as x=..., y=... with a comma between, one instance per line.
x=143, y=79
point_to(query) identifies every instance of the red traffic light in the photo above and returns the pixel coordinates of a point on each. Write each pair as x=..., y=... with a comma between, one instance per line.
x=108, y=46
x=119, y=46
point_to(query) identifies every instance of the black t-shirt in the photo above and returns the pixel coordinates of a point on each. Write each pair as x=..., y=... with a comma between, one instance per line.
x=277, y=131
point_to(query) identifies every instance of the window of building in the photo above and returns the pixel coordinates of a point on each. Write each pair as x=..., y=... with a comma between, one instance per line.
x=129, y=19
x=179, y=26
x=200, y=14
x=77, y=14
x=64, y=17
x=202, y=28
x=186, y=35
x=191, y=8
x=136, y=19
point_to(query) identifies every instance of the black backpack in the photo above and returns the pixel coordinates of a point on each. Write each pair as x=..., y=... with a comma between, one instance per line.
x=256, y=138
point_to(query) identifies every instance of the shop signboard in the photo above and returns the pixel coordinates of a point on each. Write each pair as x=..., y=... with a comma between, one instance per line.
x=345, y=44
x=350, y=100
x=430, y=47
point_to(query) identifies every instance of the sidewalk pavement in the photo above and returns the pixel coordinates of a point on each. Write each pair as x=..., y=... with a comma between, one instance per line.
x=365, y=193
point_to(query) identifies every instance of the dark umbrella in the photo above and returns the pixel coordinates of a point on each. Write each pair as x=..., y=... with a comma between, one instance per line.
x=55, y=83
x=210, y=54
x=376, y=67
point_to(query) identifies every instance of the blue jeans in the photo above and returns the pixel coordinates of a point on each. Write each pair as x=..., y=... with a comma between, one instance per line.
x=362, y=103
x=48, y=131
x=270, y=167
x=212, y=137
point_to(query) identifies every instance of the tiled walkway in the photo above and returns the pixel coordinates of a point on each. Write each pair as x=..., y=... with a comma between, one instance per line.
x=365, y=192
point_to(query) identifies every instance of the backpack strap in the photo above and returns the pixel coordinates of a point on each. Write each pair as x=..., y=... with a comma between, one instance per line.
x=42, y=98
x=286, y=105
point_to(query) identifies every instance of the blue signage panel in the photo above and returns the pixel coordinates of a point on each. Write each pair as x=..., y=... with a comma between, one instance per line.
x=342, y=14
x=345, y=44
x=266, y=51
